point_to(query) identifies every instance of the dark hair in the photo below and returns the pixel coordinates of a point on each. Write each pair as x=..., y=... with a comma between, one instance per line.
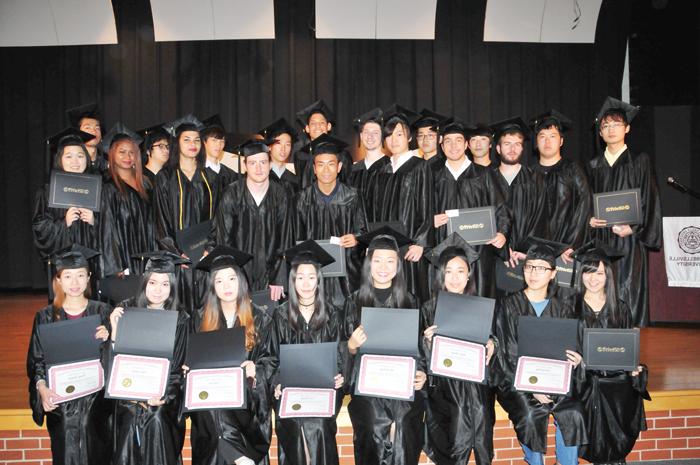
x=212, y=131
x=615, y=311
x=171, y=303
x=320, y=316
x=119, y=183
x=174, y=160
x=446, y=257
x=150, y=139
x=549, y=123
x=399, y=295
x=614, y=114
x=60, y=296
x=390, y=126
x=70, y=141
x=552, y=286
x=213, y=314
x=511, y=132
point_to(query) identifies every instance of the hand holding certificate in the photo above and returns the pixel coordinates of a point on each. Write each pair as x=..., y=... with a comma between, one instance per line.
x=458, y=359
x=307, y=402
x=543, y=375
x=135, y=377
x=386, y=376
x=75, y=380
x=220, y=388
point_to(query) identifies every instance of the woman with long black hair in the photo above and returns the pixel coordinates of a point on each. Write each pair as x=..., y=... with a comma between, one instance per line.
x=386, y=431
x=613, y=400
x=240, y=436
x=307, y=318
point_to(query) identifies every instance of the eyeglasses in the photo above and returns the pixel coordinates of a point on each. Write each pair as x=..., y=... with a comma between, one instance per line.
x=161, y=146
x=536, y=269
x=608, y=126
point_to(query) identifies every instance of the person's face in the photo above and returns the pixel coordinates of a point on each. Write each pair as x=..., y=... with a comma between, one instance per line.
x=281, y=149
x=317, y=125
x=549, y=142
x=73, y=282
x=214, y=146
x=456, y=275
x=326, y=168
x=397, y=141
x=595, y=281
x=479, y=146
x=538, y=274
x=91, y=126
x=383, y=267
x=158, y=289
x=226, y=285
x=160, y=151
x=73, y=159
x=454, y=145
x=427, y=140
x=125, y=157
x=258, y=167
x=306, y=281
x=190, y=144
x=613, y=131
x=510, y=148
x=371, y=136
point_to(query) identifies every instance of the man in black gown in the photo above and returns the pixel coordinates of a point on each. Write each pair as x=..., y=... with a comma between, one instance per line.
x=280, y=137
x=87, y=118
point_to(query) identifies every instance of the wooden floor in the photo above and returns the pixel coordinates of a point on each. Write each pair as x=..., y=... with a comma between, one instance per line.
x=670, y=353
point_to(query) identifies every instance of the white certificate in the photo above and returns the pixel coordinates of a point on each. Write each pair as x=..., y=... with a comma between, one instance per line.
x=215, y=388
x=134, y=377
x=386, y=376
x=543, y=375
x=74, y=380
x=458, y=359
x=307, y=402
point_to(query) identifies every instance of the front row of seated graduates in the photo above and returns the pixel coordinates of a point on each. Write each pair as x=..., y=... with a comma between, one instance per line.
x=599, y=418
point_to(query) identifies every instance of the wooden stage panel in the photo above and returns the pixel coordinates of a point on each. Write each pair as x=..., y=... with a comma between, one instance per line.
x=670, y=353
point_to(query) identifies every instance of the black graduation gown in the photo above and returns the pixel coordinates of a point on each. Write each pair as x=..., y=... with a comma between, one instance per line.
x=530, y=418
x=179, y=204
x=474, y=188
x=126, y=228
x=150, y=175
x=344, y=214
x=525, y=202
x=79, y=429
x=221, y=436
x=567, y=203
x=288, y=180
x=631, y=171
x=100, y=165
x=304, y=168
x=613, y=400
x=459, y=415
x=264, y=231
x=224, y=177
x=364, y=180
x=406, y=197
x=372, y=417
x=145, y=435
x=318, y=432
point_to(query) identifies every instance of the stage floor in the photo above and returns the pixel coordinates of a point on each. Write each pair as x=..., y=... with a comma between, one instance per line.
x=670, y=353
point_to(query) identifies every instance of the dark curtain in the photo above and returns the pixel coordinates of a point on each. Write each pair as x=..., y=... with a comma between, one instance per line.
x=250, y=83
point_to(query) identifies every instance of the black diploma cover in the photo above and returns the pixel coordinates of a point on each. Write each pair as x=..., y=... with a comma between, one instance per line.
x=70, y=341
x=475, y=225
x=150, y=333
x=75, y=190
x=611, y=349
x=465, y=317
x=390, y=331
x=547, y=337
x=618, y=207
x=309, y=365
x=216, y=349
x=192, y=240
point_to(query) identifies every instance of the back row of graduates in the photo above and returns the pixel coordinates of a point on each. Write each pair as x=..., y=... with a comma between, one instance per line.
x=599, y=419
x=184, y=182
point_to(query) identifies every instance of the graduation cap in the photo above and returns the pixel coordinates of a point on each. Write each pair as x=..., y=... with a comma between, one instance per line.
x=69, y=136
x=308, y=252
x=454, y=125
x=537, y=248
x=552, y=118
x=594, y=251
x=117, y=289
x=428, y=119
x=74, y=256
x=213, y=121
x=188, y=122
x=396, y=112
x=162, y=261
x=454, y=245
x=279, y=127
x=375, y=115
x=118, y=132
x=480, y=129
x=251, y=147
x=613, y=105
x=223, y=257
x=387, y=235
x=514, y=124
x=319, y=106
x=76, y=114
x=324, y=144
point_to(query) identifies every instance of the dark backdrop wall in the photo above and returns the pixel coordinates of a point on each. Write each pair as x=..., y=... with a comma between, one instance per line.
x=250, y=83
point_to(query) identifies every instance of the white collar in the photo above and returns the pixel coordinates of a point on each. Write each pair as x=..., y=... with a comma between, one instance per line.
x=458, y=172
x=215, y=167
x=401, y=159
x=612, y=157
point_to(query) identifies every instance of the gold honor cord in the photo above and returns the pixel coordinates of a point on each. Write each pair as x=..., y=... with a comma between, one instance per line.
x=179, y=185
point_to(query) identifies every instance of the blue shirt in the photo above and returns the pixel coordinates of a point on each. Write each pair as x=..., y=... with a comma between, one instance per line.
x=539, y=306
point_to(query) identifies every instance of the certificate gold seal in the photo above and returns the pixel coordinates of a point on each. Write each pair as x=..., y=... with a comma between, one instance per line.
x=70, y=389
x=296, y=406
x=532, y=379
x=447, y=362
x=126, y=382
x=203, y=395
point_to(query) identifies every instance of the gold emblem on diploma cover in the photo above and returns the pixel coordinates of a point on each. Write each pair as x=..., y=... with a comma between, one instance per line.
x=70, y=389
x=447, y=362
x=126, y=382
x=203, y=395
x=532, y=379
x=296, y=407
